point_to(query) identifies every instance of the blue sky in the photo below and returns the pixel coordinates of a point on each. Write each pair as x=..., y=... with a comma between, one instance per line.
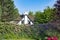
x=33, y=5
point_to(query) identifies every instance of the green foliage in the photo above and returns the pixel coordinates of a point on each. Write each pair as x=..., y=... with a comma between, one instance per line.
x=31, y=13
x=9, y=31
x=0, y=12
x=16, y=13
x=12, y=31
x=44, y=17
x=48, y=13
x=9, y=12
x=39, y=17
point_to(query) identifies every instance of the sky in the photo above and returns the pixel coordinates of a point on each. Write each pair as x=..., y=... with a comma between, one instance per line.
x=33, y=5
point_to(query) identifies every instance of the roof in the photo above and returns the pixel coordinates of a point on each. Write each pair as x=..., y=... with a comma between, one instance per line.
x=31, y=17
x=21, y=16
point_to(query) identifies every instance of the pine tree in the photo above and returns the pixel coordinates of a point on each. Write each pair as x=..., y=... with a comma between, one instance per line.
x=0, y=11
x=57, y=7
x=8, y=10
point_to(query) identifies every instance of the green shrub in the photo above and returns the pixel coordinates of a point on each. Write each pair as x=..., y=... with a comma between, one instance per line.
x=12, y=31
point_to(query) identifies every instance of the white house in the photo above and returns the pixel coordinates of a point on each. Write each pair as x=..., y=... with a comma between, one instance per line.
x=25, y=19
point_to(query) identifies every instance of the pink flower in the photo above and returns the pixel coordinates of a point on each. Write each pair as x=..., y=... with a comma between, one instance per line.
x=49, y=38
x=55, y=38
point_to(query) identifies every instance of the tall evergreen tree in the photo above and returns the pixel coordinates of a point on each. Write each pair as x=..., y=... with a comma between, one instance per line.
x=57, y=7
x=0, y=11
x=8, y=10
x=16, y=14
